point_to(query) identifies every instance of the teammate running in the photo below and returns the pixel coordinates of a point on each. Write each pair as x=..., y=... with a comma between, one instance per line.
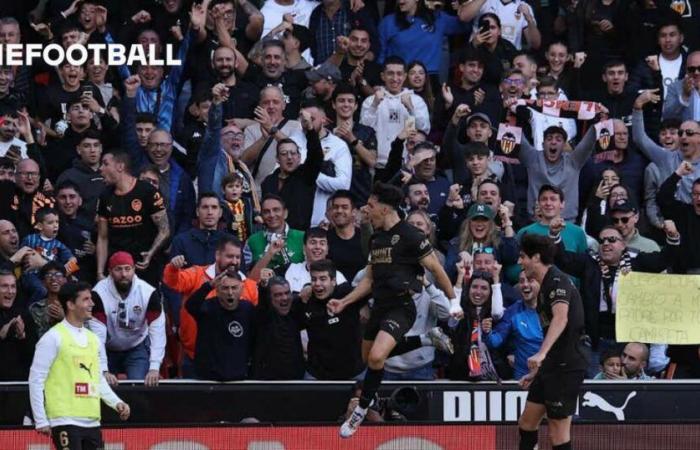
x=399, y=255
x=557, y=369
x=65, y=380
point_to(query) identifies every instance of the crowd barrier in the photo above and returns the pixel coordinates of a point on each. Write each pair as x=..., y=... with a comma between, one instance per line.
x=181, y=415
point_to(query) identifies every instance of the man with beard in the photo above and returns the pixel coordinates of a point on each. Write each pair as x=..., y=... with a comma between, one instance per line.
x=315, y=249
x=225, y=328
x=186, y=281
x=344, y=237
x=554, y=167
x=23, y=198
x=274, y=72
x=424, y=162
x=417, y=196
x=85, y=172
x=131, y=216
x=261, y=138
x=132, y=322
x=242, y=95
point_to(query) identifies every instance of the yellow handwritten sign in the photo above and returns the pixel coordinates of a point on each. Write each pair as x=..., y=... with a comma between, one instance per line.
x=658, y=309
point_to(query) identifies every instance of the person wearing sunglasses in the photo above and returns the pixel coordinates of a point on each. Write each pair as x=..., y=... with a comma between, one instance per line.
x=668, y=160
x=599, y=274
x=683, y=95
x=624, y=216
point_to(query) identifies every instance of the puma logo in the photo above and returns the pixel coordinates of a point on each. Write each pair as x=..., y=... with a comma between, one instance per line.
x=86, y=368
x=596, y=401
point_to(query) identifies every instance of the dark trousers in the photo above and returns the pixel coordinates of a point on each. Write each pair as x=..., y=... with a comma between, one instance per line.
x=71, y=437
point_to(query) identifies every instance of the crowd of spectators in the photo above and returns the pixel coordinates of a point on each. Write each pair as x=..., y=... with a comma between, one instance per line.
x=216, y=206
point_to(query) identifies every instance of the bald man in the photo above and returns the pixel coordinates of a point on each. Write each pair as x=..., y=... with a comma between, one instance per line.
x=635, y=358
x=23, y=198
x=683, y=96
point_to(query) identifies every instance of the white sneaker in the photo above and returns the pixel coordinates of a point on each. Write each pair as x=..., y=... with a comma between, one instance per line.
x=350, y=426
x=440, y=340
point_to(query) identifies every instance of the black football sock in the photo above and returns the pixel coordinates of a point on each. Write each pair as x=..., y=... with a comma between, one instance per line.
x=528, y=439
x=373, y=378
x=564, y=446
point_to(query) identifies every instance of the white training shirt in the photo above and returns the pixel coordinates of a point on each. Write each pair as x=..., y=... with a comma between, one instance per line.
x=44, y=356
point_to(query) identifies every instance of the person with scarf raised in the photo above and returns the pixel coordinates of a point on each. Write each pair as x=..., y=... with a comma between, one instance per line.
x=599, y=273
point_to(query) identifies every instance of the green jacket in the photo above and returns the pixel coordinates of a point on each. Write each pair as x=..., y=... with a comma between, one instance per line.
x=292, y=253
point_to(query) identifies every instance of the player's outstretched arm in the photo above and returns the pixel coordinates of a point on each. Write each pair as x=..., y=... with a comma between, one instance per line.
x=363, y=289
x=432, y=263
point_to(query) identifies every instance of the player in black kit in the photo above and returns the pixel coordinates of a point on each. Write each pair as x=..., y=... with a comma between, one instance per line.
x=399, y=256
x=557, y=369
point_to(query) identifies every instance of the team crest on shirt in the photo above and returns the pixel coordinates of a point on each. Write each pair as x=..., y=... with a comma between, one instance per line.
x=394, y=239
x=136, y=205
x=138, y=309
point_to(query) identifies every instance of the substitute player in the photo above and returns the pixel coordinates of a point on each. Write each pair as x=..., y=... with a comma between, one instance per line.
x=399, y=255
x=557, y=369
x=65, y=380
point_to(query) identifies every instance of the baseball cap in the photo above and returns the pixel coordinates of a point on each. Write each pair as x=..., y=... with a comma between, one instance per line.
x=327, y=71
x=480, y=210
x=479, y=116
x=624, y=205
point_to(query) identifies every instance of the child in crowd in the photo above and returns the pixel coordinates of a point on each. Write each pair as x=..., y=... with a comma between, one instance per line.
x=239, y=217
x=51, y=249
x=610, y=366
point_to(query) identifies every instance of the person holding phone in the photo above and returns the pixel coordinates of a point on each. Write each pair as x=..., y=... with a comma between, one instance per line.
x=515, y=16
